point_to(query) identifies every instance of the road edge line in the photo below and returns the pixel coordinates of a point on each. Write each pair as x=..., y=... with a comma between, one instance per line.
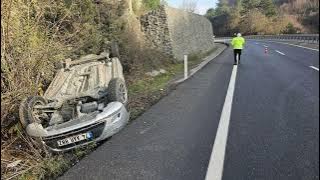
x=201, y=65
x=216, y=162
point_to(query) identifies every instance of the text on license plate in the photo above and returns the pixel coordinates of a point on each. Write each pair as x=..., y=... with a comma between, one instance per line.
x=74, y=139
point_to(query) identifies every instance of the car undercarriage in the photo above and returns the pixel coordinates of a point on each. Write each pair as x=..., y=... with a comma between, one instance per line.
x=85, y=102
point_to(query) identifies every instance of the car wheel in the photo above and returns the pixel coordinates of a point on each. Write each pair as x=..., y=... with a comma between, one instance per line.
x=117, y=91
x=29, y=113
x=115, y=50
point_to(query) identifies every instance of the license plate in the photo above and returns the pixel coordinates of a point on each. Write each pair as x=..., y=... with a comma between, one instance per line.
x=74, y=139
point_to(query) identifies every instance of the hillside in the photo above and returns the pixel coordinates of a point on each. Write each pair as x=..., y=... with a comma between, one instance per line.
x=303, y=15
x=304, y=12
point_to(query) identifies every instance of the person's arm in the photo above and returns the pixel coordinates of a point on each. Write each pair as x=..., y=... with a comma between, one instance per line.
x=243, y=42
x=232, y=41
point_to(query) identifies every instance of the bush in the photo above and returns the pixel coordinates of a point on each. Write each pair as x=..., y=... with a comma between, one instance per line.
x=290, y=29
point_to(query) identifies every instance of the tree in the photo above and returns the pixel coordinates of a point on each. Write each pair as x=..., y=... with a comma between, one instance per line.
x=290, y=29
x=252, y=17
x=238, y=5
x=222, y=8
x=235, y=18
x=249, y=5
x=189, y=5
x=268, y=8
x=210, y=13
x=225, y=18
x=254, y=23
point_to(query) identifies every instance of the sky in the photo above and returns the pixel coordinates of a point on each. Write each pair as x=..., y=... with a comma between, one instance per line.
x=202, y=5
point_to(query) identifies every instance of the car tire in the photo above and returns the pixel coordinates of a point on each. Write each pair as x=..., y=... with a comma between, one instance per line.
x=26, y=110
x=114, y=50
x=117, y=91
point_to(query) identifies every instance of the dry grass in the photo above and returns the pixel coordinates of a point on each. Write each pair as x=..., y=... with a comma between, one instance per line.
x=20, y=155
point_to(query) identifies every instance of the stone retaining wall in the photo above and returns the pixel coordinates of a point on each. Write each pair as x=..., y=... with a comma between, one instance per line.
x=176, y=32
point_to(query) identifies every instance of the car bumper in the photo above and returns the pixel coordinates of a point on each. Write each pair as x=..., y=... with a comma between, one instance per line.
x=100, y=130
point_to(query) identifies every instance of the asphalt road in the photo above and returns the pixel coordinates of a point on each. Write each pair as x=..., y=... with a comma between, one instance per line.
x=273, y=130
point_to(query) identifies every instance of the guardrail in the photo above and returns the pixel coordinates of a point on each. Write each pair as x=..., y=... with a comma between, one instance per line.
x=308, y=38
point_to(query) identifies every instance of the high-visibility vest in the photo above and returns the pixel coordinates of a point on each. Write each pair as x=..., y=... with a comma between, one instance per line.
x=238, y=42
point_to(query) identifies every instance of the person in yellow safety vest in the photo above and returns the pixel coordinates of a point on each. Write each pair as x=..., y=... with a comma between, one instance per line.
x=237, y=44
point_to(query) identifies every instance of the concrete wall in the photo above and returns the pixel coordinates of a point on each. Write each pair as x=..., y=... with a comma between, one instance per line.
x=176, y=32
x=190, y=33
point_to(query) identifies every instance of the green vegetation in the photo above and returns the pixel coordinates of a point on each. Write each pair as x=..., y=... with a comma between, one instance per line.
x=268, y=8
x=151, y=4
x=152, y=84
x=290, y=29
x=144, y=92
x=222, y=8
x=304, y=13
x=210, y=13
x=205, y=54
x=49, y=167
x=140, y=7
x=53, y=166
x=249, y=5
x=150, y=88
x=252, y=17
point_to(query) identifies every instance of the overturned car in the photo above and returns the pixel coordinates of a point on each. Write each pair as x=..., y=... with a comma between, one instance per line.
x=84, y=103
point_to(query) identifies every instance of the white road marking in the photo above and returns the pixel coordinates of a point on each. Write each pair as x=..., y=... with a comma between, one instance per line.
x=294, y=45
x=215, y=168
x=298, y=46
x=280, y=52
x=265, y=45
x=314, y=68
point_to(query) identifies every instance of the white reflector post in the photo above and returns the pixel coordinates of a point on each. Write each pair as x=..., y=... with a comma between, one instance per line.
x=185, y=66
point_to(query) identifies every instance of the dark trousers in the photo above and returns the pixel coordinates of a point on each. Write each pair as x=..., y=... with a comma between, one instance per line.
x=235, y=52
